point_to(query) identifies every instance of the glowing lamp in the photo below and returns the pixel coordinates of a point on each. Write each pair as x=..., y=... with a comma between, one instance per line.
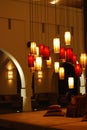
x=38, y=63
x=71, y=82
x=67, y=37
x=48, y=62
x=41, y=49
x=30, y=60
x=56, y=67
x=33, y=48
x=83, y=60
x=61, y=72
x=74, y=58
x=56, y=45
x=62, y=53
x=46, y=53
x=78, y=69
x=69, y=54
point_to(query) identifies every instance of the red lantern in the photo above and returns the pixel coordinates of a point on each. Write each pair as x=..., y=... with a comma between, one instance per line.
x=69, y=54
x=30, y=60
x=62, y=53
x=46, y=53
x=41, y=49
x=78, y=69
x=74, y=58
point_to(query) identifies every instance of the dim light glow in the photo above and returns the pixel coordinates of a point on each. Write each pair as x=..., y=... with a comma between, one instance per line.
x=54, y=1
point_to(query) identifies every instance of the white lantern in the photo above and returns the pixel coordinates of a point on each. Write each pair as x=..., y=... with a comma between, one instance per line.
x=56, y=45
x=67, y=37
x=71, y=82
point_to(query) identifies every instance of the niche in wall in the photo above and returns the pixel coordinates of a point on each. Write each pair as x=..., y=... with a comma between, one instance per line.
x=9, y=77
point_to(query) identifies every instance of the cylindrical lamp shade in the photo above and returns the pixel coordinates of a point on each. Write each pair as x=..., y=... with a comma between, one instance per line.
x=56, y=67
x=61, y=72
x=37, y=51
x=67, y=37
x=74, y=58
x=38, y=63
x=41, y=49
x=30, y=61
x=69, y=54
x=83, y=60
x=33, y=48
x=62, y=53
x=46, y=53
x=71, y=82
x=78, y=69
x=56, y=45
x=49, y=62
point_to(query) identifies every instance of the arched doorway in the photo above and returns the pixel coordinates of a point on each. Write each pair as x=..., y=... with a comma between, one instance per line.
x=20, y=80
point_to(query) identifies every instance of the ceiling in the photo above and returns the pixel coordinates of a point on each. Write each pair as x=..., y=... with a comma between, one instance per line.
x=70, y=3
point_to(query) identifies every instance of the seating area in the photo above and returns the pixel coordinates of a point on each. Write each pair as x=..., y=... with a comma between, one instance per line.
x=41, y=101
x=10, y=103
x=77, y=106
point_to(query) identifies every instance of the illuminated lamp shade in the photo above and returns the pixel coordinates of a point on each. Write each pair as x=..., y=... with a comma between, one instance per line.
x=30, y=60
x=71, y=82
x=69, y=54
x=41, y=49
x=74, y=58
x=46, y=53
x=38, y=63
x=56, y=67
x=49, y=62
x=62, y=53
x=78, y=69
x=61, y=73
x=33, y=48
x=83, y=59
x=56, y=45
x=67, y=37
x=37, y=51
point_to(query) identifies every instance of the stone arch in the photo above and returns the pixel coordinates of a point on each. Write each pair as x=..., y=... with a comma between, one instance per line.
x=19, y=69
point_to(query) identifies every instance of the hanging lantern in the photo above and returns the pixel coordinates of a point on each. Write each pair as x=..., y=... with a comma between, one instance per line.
x=41, y=49
x=74, y=58
x=69, y=54
x=78, y=69
x=33, y=48
x=56, y=67
x=38, y=63
x=67, y=37
x=71, y=82
x=37, y=51
x=61, y=72
x=30, y=60
x=46, y=53
x=83, y=60
x=62, y=53
x=56, y=45
x=49, y=62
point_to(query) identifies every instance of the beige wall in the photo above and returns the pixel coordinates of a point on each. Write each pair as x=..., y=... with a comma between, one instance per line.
x=27, y=26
